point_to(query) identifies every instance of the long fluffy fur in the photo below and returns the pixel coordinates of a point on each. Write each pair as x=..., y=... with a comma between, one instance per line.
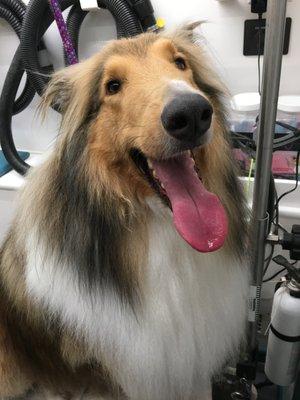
x=98, y=291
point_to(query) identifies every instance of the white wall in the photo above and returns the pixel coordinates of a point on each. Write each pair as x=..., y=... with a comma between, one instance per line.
x=7, y=207
x=223, y=32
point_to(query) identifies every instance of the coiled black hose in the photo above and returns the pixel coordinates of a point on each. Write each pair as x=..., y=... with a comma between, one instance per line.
x=74, y=21
x=36, y=21
x=9, y=91
x=13, y=21
x=16, y=6
x=38, y=10
x=13, y=12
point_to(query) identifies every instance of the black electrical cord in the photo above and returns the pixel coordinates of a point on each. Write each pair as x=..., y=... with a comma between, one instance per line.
x=268, y=260
x=296, y=178
x=271, y=200
x=291, y=190
x=275, y=219
x=249, y=146
x=279, y=143
x=292, y=270
x=274, y=275
x=131, y=19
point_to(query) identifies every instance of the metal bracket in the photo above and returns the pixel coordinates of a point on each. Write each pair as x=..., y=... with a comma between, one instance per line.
x=273, y=239
x=89, y=5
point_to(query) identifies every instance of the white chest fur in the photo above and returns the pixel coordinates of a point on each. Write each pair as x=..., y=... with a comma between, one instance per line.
x=192, y=318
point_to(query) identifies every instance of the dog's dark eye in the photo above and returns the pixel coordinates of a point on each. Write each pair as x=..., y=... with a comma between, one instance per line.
x=180, y=63
x=113, y=86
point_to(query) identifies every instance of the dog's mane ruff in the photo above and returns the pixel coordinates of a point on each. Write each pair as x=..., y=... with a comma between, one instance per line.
x=79, y=212
x=81, y=220
x=84, y=228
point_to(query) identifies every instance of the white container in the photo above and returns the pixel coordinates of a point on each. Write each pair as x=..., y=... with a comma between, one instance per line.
x=283, y=352
x=288, y=112
x=244, y=111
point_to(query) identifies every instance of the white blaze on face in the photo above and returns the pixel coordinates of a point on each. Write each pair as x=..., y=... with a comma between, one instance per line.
x=176, y=87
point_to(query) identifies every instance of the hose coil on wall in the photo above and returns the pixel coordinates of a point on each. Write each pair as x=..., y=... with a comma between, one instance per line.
x=30, y=24
x=13, y=12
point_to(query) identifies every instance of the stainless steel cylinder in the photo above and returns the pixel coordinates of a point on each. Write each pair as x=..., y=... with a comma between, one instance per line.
x=275, y=28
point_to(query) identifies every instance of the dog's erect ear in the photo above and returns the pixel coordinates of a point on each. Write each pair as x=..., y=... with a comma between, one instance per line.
x=58, y=91
x=73, y=91
x=187, y=31
x=189, y=42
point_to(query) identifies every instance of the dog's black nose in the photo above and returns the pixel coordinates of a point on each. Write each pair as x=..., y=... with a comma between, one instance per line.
x=187, y=117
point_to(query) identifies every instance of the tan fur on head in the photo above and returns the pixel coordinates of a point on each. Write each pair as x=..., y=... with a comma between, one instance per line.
x=65, y=85
x=131, y=118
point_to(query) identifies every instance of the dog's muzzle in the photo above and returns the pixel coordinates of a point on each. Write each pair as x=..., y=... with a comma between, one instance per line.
x=187, y=117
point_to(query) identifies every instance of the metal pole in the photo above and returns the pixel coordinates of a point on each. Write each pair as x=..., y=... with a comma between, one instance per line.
x=275, y=28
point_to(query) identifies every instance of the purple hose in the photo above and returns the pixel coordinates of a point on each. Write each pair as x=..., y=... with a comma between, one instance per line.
x=63, y=31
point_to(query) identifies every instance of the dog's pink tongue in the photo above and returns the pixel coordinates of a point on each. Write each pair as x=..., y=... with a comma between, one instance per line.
x=198, y=214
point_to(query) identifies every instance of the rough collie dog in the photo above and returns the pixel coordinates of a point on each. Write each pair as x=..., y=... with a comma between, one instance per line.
x=123, y=274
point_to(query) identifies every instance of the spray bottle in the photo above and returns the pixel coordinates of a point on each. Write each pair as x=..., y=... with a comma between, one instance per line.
x=283, y=351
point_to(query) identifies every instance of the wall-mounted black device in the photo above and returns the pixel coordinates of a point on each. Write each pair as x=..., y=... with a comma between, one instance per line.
x=253, y=44
x=258, y=6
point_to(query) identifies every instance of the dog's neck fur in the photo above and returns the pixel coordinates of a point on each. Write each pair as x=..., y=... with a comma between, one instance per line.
x=190, y=319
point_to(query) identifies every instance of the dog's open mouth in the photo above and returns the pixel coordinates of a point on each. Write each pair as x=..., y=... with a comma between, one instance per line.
x=198, y=215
